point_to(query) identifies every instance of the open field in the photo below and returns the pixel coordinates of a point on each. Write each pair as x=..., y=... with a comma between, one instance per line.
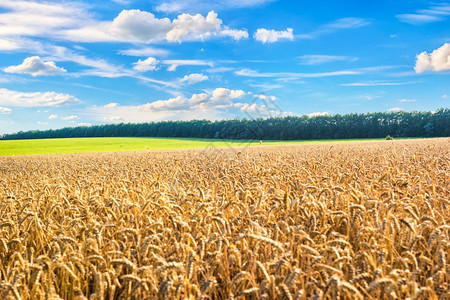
x=80, y=145
x=323, y=221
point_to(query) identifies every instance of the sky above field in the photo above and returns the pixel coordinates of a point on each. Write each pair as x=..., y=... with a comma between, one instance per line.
x=70, y=63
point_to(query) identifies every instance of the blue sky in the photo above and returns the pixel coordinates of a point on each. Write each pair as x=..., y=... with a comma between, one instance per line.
x=69, y=63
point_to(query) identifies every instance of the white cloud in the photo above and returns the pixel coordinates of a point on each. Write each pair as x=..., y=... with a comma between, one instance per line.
x=377, y=83
x=36, y=67
x=174, y=6
x=150, y=64
x=395, y=109
x=270, y=36
x=111, y=105
x=223, y=93
x=70, y=118
x=137, y=25
x=253, y=107
x=407, y=100
x=253, y=73
x=235, y=33
x=5, y=111
x=212, y=103
x=147, y=51
x=142, y=26
x=34, y=99
x=318, y=114
x=72, y=21
x=175, y=63
x=193, y=27
x=53, y=117
x=438, y=60
x=424, y=16
x=84, y=124
x=32, y=18
x=114, y=119
x=445, y=96
x=417, y=19
x=266, y=97
x=336, y=25
x=320, y=59
x=193, y=78
x=8, y=45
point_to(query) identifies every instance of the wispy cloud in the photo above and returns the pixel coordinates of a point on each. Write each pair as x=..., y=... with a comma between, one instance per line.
x=418, y=19
x=173, y=64
x=339, y=24
x=5, y=110
x=424, y=16
x=143, y=52
x=253, y=73
x=377, y=83
x=176, y=6
x=406, y=100
x=320, y=59
x=35, y=99
x=70, y=118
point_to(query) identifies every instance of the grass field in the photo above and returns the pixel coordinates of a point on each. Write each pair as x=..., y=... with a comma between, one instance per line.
x=316, y=221
x=79, y=145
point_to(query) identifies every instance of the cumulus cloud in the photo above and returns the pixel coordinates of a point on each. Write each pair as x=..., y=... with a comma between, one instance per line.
x=216, y=104
x=193, y=78
x=137, y=25
x=5, y=111
x=150, y=64
x=35, y=99
x=235, y=33
x=318, y=114
x=407, y=100
x=438, y=60
x=142, y=26
x=270, y=36
x=53, y=117
x=266, y=97
x=35, y=66
x=445, y=96
x=84, y=124
x=253, y=107
x=223, y=93
x=195, y=27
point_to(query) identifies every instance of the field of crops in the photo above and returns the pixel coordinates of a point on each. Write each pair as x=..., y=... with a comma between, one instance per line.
x=368, y=220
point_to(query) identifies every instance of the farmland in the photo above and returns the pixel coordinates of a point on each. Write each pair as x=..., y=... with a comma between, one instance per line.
x=110, y=144
x=350, y=220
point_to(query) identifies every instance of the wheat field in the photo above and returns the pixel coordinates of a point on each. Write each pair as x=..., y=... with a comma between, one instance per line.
x=368, y=220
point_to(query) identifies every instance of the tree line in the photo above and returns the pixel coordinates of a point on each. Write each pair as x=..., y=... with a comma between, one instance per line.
x=348, y=126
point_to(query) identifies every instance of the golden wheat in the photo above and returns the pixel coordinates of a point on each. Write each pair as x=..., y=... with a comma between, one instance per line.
x=352, y=221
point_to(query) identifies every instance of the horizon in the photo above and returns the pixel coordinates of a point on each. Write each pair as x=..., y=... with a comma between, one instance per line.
x=133, y=61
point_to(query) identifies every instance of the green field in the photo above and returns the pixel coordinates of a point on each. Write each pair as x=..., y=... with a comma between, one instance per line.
x=75, y=145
